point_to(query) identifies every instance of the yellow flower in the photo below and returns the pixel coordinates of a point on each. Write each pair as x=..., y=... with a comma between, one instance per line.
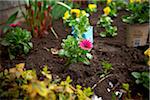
x=147, y=52
x=138, y=1
x=92, y=6
x=66, y=15
x=76, y=11
x=132, y=1
x=106, y=10
x=109, y=1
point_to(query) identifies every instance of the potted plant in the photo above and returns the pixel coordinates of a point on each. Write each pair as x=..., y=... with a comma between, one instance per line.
x=137, y=22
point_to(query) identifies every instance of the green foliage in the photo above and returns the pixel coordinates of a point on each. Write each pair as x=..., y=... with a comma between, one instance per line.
x=78, y=20
x=113, y=7
x=106, y=22
x=120, y=4
x=18, y=41
x=24, y=84
x=125, y=87
x=10, y=20
x=106, y=66
x=139, y=13
x=142, y=78
x=59, y=10
x=73, y=52
x=38, y=16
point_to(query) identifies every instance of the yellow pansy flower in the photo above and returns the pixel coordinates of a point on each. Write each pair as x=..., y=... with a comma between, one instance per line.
x=76, y=11
x=147, y=52
x=92, y=6
x=132, y=1
x=138, y=1
x=106, y=10
x=109, y=1
x=66, y=15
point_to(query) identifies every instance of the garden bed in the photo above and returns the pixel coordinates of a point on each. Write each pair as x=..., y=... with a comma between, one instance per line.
x=114, y=50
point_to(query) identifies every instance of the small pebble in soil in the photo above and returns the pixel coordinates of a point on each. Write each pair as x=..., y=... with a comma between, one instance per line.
x=108, y=90
x=110, y=84
x=95, y=97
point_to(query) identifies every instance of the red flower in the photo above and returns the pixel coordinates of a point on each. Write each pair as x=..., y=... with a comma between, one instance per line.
x=32, y=12
x=15, y=24
x=85, y=45
x=39, y=4
x=49, y=8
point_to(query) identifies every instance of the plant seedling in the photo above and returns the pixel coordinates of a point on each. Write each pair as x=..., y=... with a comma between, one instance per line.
x=106, y=68
x=106, y=23
x=125, y=87
x=142, y=78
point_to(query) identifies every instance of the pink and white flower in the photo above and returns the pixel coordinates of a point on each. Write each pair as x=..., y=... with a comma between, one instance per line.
x=15, y=24
x=85, y=45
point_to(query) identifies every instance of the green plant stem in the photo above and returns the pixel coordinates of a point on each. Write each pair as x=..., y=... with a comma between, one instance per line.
x=64, y=5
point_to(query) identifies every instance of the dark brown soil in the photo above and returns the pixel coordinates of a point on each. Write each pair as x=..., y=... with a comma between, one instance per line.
x=124, y=59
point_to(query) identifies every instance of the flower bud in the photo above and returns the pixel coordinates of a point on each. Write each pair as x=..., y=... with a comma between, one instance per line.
x=49, y=8
x=39, y=4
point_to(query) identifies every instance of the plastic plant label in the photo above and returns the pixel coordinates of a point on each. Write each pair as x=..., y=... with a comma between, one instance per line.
x=86, y=35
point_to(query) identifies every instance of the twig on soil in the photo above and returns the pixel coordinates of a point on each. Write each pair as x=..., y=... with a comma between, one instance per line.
x=102, y=79
x=54, y=32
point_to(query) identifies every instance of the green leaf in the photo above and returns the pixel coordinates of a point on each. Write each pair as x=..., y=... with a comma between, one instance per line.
x=61, y=52
x=88, y=55
x=103, y=34
x=125, y=86
x=88, y=91
x=58, y=11
x=68, y=79
x=26, y=49
x=84, y=60
x=30, y=44
x=12, y=18
x=5, y=43
x=6, y=28
x=136, y=75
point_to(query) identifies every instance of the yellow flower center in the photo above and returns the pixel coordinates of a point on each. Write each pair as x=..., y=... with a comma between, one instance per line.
x=106, y=10
x=76, y=11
